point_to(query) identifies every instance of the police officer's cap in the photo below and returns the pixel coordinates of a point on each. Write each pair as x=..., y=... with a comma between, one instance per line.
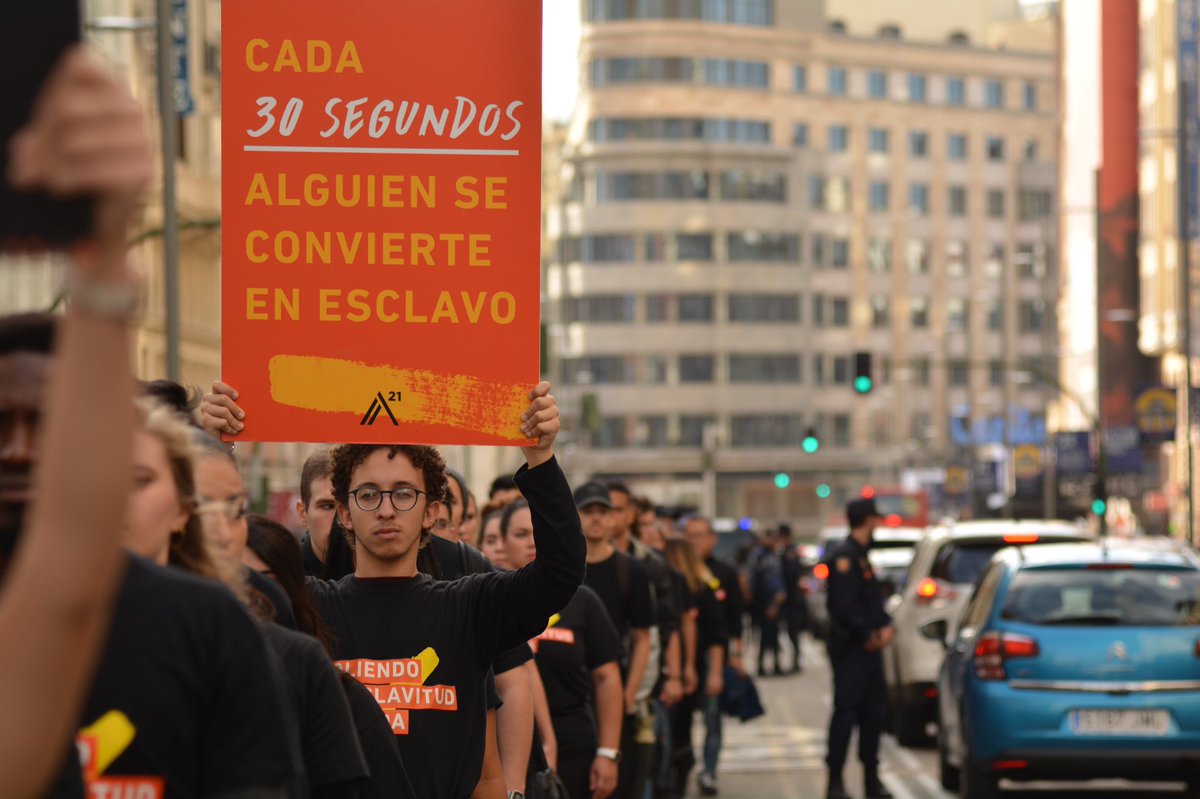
x=859, y=510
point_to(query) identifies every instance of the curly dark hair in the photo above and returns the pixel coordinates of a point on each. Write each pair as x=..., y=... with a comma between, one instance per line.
x=348, y=457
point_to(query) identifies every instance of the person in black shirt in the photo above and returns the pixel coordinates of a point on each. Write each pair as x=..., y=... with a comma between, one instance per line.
x=711, y=640
x=859, y=631
x=272, y=551
x=577, y=656
x=424, y=647
x=316, y=510
x=624, y=587
x=795, y=609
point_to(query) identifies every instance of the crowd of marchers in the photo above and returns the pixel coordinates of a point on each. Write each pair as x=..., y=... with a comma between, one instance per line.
x=413, y=642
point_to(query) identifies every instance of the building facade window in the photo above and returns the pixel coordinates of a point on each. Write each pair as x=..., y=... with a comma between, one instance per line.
x=764, y=369
x=959, y=374
x=879, y=255
x=599, y=370
x=840, y=312
x=651, y=186
x=830, y=194
x=918, y=312
x=996, y=374
x=838, y=139
x=729, y=12
x=917, y=257
x=658, y=307
x=881, y=311
x=1033, y=259
x=1034, y=205
x=918, y=199
x=957, y=314
x=695, y=307
x=918, y=144
x=742, y=131
x=759, y=308
x=736, y=74
x=819, y=370
x=818, y=310
x=746, y=185
x=879, y=196
x=922, y=369
x=993, y=262
x=601, y=309
x=691, y=430
x=612, y=434
x=651, y=432
x=818, y=250
x=995, y=148
x=695, y=368
x=993, y=94
x=877, y=84
x=957, y=258
x=694, y=246
x=800, y=135
x=877, y=140
x=995, y=316
x=957, y=201
x=918, y=88
x=755, y=246
x=835, y=81
x=839, y=252
x=956, y=147
x=773, y=431
x=800, y=78
x=841, y=370
x=1029, y=96
x=841, y=430
x=1032, y=316
x=956, y=91
x=995, y=203
x=598, y=249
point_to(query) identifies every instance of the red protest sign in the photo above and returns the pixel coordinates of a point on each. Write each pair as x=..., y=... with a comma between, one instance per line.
x=381, y=199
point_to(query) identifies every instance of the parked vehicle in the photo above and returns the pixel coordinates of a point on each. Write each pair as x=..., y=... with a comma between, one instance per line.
x=890, y=555
x=945, y=567
x=1074, y=661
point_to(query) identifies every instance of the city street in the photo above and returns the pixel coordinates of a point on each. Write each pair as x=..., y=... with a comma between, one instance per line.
x=781, y=755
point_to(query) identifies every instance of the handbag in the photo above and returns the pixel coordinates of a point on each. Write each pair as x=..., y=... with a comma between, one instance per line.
x=544, y=784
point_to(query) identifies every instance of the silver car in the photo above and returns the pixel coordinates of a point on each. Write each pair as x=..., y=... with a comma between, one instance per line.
x=945, y=566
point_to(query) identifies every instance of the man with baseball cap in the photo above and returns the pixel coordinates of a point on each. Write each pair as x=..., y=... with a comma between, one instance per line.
x=624, y=587
x=859, y=630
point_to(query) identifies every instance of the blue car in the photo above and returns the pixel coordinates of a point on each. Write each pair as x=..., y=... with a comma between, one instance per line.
x=1074, y=662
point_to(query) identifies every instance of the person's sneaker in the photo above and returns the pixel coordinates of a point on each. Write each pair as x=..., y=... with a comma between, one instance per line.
x=875, y=788
x=708, y=784
x=836, y=790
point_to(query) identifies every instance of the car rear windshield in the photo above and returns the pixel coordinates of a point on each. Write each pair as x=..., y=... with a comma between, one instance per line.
x=963, y=563
x=1109, y=597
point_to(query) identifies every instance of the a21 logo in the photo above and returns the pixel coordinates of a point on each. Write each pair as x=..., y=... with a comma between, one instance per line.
x=380, y=405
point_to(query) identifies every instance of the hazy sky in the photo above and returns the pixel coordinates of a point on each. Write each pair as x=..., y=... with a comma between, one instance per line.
x=560, y=63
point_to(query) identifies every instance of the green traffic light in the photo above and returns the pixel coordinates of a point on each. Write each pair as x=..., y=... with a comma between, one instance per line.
x=824, y=491
x=862, y=384
x=810, y=444
x=1099, y=506
x=782, y=480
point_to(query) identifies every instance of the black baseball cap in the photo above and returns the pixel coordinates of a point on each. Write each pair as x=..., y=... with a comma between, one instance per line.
x=592, y=493
x=859, y=510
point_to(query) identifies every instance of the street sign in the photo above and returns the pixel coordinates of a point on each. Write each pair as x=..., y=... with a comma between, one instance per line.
x=1072, y=454
x=1154, y=410
x=1123, y=446
x=185, y=104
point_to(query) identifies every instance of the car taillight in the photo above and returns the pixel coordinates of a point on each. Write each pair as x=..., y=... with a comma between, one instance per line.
x=821, y=571
x=993, y=650
x=1022, y=538
x=930, y=589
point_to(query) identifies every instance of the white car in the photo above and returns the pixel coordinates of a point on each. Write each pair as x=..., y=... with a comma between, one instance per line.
x=890, y=554
x=940, y=581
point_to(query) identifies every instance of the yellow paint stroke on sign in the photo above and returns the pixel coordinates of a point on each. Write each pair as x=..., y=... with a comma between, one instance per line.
x=332, y=385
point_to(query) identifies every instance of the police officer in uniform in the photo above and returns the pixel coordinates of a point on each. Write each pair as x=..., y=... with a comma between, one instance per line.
x=859, y=630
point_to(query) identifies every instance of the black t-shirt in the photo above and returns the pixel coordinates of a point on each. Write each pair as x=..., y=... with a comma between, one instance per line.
x=184, y=695
x=580, y=639
x=313, y=566
x=284, y=614
x=710, y=623
x=624, y=588
x=728, y=591
x=388, y=779
x=329, y=747
x=423, y=646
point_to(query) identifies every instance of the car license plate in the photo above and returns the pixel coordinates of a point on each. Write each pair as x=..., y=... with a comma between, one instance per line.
x=1120, y=722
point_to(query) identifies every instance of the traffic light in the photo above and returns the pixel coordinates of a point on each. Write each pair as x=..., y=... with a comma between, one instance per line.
x=863, y=383
x=1099, y=497
x=811, y=443
x=1099, y=506
x=824, y=491
x=782, y=480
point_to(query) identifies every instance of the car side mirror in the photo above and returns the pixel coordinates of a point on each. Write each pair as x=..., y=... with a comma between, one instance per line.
x=936, y=631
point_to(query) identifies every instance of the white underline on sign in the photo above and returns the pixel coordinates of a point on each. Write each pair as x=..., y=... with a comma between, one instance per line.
x=266, y=148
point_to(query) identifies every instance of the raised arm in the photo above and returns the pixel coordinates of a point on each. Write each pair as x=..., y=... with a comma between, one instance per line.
x=86, y=139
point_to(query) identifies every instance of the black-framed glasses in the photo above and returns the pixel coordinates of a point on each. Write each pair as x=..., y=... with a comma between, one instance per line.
x=232, y=508
x=370, y=498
